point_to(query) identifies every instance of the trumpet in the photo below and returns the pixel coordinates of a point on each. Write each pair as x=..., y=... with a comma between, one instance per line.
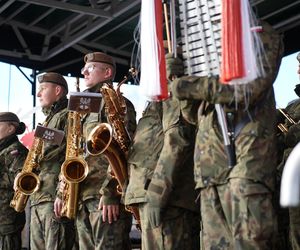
x=285, y=128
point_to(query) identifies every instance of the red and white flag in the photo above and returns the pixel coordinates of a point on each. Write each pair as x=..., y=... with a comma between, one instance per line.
x=153, y=80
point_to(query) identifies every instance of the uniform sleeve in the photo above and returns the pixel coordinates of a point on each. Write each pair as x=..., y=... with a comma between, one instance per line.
x=109, y=190
x=211, y=90
x=16, y=159
x=58, y=152
x=177, y=150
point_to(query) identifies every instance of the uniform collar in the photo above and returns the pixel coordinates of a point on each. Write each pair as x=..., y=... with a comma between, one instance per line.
x=97, y=87
x=5, y=142
x=56, y=107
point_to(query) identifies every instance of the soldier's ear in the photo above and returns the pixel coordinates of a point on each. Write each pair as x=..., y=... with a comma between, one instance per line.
x=58, y=90
x=11, y=128
x=108, y=73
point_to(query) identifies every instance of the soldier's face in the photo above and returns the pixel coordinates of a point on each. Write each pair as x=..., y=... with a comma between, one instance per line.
x=6, y=129
x=95, y=72
x=48, y=93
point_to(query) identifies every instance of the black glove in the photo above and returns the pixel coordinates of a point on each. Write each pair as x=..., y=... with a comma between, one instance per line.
x=174, y=66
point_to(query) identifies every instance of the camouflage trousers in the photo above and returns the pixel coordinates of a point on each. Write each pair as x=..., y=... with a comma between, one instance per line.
x=179, y=230
x=237, y=215
x=94, y=234
x=283, y=218
x=295, y=227
x=48, y=232
x=11, y=241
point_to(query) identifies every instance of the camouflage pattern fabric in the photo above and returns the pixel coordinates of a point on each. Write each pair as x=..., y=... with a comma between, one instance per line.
x=12, y=157
x=52, y=156
x=95, y=234
x=286, y=142
x=175, y=163
x=294, y=214
x=162, y=180
x=11, y=241
x=232, y=219
x=252, y=107
x=179, y=229
x=155, y=178
x=92, y=232
x=149, y=132
x=47, y=232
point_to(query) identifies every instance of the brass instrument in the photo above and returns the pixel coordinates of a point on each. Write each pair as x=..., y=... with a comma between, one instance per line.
x=27, y=182
x=285, y=128
x=113, y=140
x=74, y=169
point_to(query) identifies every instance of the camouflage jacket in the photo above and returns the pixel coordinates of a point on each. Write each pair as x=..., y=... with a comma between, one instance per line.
x=12, y=157
x=52, y=156
x=161, y=157
x=287, y=141
x=254, y=122
x=99, y=182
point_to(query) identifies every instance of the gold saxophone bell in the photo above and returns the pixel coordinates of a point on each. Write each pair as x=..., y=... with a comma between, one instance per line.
x=74, y=169
x=99, y=139
x=27, y=184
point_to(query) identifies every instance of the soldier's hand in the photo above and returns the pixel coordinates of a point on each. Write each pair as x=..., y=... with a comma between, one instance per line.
x=174, y=66
x=110, y=212
x=57, y=207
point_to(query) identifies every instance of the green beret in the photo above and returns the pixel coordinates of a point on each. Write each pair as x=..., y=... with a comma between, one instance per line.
x=99, y=57
x=53, y=78
x=11, y=117
x=8, y=117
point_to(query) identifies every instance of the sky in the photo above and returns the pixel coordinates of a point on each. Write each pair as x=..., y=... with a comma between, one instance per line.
x=15, y=92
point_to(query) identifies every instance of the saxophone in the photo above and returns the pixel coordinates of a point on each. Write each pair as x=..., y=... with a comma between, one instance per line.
x=74, y=169
x=112, y=139
x=27, y=182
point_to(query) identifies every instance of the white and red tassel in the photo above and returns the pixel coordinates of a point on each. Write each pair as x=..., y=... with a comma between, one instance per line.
x=153, y=80
x=240, y=46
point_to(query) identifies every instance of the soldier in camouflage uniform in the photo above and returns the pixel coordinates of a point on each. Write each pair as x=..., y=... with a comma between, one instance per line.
x=161, y=174
x=12, y=157
x=287, y=141
x=46, y=230
x=236, y=208
x=101, y=222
